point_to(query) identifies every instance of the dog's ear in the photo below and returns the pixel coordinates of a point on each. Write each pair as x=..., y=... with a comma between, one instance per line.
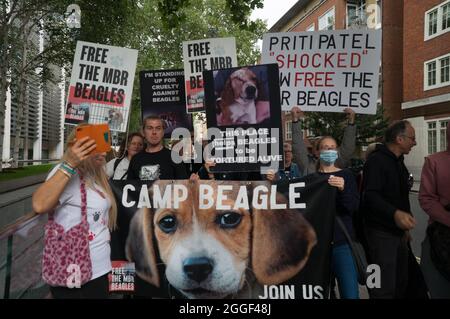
x=281, y=243
x=262, y=96
x=227, y=96
x=139, y=246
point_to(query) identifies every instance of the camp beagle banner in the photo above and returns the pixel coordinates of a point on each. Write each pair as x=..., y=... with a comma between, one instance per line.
x=243, y=116
x=326, y=71
x=162, y=94
x=101, y=85
x=226, y=239
x=201, y=55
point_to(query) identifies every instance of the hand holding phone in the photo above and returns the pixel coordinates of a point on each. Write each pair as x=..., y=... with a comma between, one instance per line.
x=99, y=133
x=79, y=151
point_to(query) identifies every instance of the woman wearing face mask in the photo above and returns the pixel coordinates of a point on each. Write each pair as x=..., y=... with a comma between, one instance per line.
x=347, y=202
x=117, y=168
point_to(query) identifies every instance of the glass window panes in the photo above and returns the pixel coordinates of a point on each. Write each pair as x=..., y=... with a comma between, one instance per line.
x=445, y=69
x=289, y=130
x=351, y=14
x=431, y=73
x=432, y=143
x=326, y=22
x=432, y=22
x=446, y=16
x=443, y=136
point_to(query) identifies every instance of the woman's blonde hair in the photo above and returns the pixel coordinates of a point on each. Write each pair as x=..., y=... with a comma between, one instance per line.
x=97, y=175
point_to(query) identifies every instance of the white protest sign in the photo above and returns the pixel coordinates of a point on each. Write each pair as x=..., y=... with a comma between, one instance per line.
x=201, y=55
x=326, y=71
x=101, y=85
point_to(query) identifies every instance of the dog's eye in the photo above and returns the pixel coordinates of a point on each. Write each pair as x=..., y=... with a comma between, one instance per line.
x=168, y=224
x=229, y=220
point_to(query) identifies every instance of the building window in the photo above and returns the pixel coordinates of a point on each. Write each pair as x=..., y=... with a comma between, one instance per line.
x=311, y=27
x=437, y=136
x=432, y=139
x=437, y=20
x=352, y=13
x=288, y=130
x=445, y=69
x=446, y=16
x=326, y=21
x=431, y=70
x=443, y=135
x=437, y=72
x=359, y=16
x=432, y=22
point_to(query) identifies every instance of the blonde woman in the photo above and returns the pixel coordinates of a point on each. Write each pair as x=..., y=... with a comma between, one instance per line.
x=76, y=191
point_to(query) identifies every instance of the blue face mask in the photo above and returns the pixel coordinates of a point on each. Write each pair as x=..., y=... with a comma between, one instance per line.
x=328, y=157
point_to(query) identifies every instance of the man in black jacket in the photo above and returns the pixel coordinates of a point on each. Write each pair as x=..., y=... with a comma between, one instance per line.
x=386, y=209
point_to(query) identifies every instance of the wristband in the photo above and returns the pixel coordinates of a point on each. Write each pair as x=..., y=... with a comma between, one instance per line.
x=65, y=172
x=68, y=164
x=68, y=168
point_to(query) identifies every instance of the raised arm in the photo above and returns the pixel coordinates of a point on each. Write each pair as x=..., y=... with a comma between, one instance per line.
x=299, y=150
x=348, y=144
x=46, y=197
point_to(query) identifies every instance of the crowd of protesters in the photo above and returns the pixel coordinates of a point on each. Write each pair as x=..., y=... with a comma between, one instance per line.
x=373, y=207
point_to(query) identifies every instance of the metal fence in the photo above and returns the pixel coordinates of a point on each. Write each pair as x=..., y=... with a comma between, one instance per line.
x=21, y=246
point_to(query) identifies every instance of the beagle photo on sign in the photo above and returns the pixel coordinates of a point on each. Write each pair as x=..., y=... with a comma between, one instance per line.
x=240, y=99
x=218, y=252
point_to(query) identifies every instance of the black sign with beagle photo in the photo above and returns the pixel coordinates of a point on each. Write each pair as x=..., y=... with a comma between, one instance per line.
x=226, y=239
x=243, y=116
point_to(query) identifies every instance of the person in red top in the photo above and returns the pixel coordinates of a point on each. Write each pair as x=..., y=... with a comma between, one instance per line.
x=434, y=198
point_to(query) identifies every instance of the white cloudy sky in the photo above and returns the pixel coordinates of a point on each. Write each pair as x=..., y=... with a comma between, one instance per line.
x=273, y=10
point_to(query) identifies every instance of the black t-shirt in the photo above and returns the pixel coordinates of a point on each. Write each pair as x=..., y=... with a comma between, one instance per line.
x=152, y=166
x=287, y=170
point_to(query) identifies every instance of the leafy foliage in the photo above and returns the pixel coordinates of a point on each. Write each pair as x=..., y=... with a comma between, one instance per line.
x=370, y=127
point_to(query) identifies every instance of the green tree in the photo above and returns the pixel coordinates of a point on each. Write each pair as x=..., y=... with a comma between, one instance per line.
x=160, y=42
x=369, y=127
x=156, y=28
x=21, y=60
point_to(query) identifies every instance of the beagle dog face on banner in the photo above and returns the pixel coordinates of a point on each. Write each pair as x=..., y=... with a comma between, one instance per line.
x=208, y=252
x=238, y=98
x=244, y=84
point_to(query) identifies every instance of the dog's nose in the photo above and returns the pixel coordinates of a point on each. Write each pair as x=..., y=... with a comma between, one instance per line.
x=250, y=91
x=198, y=268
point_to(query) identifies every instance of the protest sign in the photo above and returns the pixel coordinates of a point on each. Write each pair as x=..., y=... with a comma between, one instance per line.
x=326, y=71
x=244, y=118
x=253, y=240
x=162, y=94
x=201, y=55
x=101, y=85
x=122, y=276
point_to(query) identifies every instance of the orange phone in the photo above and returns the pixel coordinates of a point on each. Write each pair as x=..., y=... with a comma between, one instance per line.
x=99, y=132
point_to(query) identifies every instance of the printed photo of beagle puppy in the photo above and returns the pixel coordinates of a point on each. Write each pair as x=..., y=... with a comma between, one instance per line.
x=115, y=119
x=238, y=100
x=210, y=253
